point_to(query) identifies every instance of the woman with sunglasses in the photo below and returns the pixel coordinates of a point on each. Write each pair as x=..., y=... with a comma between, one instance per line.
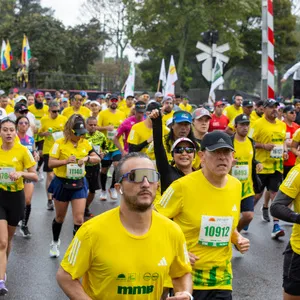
x=23, y=124
x=14, y=159
x=183, y=152
x=67, y=158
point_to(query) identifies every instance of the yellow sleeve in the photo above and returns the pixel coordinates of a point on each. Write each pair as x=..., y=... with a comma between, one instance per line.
x=133, y=137
x=253, y=132
x=291, y=184
x=225, y=113
x=181, y=264
x=171, y=202
x=55, y=150
x=296, y=136
x=28, y=159
x=78, y=257
x=100, y=122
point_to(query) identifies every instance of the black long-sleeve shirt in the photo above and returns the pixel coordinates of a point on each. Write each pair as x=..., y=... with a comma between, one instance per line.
x=168, y=173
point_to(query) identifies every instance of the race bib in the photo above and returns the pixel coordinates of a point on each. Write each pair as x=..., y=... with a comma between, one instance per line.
x=97, y=148
x=215, y=231
x=57, y=135
x=4, y=175
x=111, y=134
x=37, y=123
x=74, y=171
x=240, y=172
x=277, y=151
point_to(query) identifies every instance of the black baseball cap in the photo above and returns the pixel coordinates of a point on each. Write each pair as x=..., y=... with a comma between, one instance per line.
x=216, y=140
x=140, y=106
x=20, y=107
x=289, y=108
x=114, y=96
x=79, y=128
x=248, y=103
x=296, y=100
x=270, y=103
x=240, y=119
x=152, y=105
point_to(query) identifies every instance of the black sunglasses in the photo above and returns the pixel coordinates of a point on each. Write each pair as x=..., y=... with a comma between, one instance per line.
x=182, y=149
x=55, y=111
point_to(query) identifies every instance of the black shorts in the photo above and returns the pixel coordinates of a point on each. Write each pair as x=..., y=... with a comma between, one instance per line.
x=247, y=204
x=212, y=295
x=110, y=157
x=46, y=162
x=271, y=181
x=286, y=169
x=12, y=206
x=93, y=178
x=39, y=145
x=291, y=272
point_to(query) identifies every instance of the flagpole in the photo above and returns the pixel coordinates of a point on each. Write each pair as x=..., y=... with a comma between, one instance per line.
x=158, y=85
x=122, y=90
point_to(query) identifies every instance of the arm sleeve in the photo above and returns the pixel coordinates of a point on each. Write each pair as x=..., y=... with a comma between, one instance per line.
x=78, y=257
x=279, y=208
x=137, y=148
x=292, y=70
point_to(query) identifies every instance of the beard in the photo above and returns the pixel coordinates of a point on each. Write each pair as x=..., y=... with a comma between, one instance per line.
x=133, y=205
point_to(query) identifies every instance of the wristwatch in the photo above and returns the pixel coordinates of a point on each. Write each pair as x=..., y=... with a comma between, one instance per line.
x=189, y=294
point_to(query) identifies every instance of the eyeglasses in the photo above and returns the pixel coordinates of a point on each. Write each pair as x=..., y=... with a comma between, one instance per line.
x=55, y=111
x=23, y=112
x=182, y=149
x=138, y=175
x=23, y=123
x=114, y=100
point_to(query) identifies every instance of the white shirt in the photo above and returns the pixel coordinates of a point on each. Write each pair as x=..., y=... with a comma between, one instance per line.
x=31, y=118
x=3, y=113
x=294, y=69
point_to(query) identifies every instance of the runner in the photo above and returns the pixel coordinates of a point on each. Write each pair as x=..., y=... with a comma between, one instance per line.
x=14, y=159
x=30, y=99
x=208, y=217
x=109, y=120
x=4, y=104
x=184, y=105
x=167, y=109
x=269, y=136
x=235, y=109
x=51, y=129
x=67, y=158
x=218, y=121
x=158, y=97
x=95, y=108
x=201, y=118
x=22, y=124
x=76, y=108
x=129, y=105
x=258, y=111
x=135, y=228
x=99, y=142
x=289, y=192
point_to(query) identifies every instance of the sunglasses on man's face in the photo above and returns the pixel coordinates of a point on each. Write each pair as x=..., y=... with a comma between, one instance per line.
x=114, y=100
x=138, y=175
x=55, y=111
x=180, y=150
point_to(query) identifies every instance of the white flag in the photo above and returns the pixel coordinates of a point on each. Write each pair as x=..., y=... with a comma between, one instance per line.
x=172, y=78
x=163, y=76
x=129, y=90
x=217, y=80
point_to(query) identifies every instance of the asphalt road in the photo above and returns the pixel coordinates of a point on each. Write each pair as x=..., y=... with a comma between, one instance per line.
x=31, y=272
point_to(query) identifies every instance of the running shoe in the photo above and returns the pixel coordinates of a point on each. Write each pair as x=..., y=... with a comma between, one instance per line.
x=41, y=175
x=113, y=194
x=3, y=288
x=103, y=195
x=277, y=231
x=25, y=231
x=246, y=228
x=54, y=249
x=50, y=205
x=265, y=214
x=87, y=213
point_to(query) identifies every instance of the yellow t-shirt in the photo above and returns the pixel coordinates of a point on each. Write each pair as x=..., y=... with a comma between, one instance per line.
x=9, y=109
x=254, y=117
x=166, y=117
x=16, y=159
x=57, y=126
x=269, y=133
x=243, y=168
x=291, y=187
x=106, y=118
x=296, y=138
x=63, y=150
x=69, y=111
x=122, y=104
x=187, y=107
x=231, y=112
x=139, y=272
x=126, y=110
x=207, y=216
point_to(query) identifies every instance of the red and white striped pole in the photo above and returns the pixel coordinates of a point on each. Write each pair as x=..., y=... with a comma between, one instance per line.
x=271, y=41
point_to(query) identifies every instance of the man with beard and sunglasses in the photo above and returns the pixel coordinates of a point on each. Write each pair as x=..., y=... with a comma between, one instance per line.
x=109, y=121
x=134, y=227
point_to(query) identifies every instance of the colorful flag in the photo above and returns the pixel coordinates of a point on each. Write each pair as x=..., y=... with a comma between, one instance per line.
x=217, y=80
x=163, y=76
x=9, y=50
x=172, y=78
x=26, y=53
x=129, y=90
x=5, y=58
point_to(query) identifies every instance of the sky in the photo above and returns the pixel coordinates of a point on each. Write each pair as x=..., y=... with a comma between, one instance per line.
x=69, y=12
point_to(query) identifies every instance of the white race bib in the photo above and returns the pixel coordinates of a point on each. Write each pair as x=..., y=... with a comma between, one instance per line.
x=111, y=134
x=215, y=231
x=97, y=148
x=74, y=171
x=277, y=151
x=4, y=175
x=37, y=123
x=57, y=135
x=240, y=172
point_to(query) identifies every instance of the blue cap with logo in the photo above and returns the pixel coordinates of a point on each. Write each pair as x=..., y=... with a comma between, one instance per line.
x=182, y=116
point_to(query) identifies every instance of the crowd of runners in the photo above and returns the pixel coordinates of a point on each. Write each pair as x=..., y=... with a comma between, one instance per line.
x=187, y=181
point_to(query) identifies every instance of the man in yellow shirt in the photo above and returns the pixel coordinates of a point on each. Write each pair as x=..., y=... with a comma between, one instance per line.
x=138, y=230
x=4, y=104
x=235, y=109
x=108, y=122
x=258, y=111
x=76, y=108
x=167, y=109
x=289, y=192
x=206, y=205
x=269, y=134
x=184, y=105
x=129, y=105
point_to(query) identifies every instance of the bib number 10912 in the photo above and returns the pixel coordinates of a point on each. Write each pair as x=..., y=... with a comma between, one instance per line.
x=217, y=231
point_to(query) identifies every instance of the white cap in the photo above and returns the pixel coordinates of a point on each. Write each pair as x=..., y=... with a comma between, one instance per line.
x=95, y=102
x=19, y=98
